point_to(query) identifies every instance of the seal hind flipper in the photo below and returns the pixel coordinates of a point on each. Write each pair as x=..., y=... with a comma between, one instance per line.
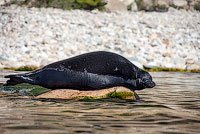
x=14, y=79
x=17, y=79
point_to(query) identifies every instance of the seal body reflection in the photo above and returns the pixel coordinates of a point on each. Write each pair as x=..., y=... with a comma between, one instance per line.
x=90, y=71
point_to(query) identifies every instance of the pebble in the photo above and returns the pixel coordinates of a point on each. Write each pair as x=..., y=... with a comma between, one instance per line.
x=36, y=37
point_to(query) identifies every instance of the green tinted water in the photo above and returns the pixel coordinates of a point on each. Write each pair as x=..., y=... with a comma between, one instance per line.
x=172, y=107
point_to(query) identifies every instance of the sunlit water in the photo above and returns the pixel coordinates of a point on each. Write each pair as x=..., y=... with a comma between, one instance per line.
x=172, y=107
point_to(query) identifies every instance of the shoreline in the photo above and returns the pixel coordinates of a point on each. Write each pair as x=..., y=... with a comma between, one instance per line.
x=36, y=37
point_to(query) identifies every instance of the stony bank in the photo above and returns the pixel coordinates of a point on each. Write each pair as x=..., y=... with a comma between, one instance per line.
x=38, y=36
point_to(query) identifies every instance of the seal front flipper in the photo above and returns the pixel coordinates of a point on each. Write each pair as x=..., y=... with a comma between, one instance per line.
x=95, y=81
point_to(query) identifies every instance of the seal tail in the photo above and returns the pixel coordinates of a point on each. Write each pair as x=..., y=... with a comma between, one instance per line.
x=15, y=79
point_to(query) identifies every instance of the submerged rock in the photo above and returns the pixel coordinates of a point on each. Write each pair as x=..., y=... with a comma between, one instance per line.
x=38, y=92
x=24, y=89
x=3, y=94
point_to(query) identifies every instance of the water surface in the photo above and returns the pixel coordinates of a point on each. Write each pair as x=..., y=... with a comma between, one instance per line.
x=172, y=107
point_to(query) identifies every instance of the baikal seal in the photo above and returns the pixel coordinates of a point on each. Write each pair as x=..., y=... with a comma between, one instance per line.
x=90, y=71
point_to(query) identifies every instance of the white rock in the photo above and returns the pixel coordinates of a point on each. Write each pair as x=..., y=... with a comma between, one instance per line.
x=134, y=6
x=118, y=5
x=2, y=2
x=179, y=3
x=135, y=61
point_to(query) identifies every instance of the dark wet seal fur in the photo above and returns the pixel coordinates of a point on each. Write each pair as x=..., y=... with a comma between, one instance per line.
x=90, y=71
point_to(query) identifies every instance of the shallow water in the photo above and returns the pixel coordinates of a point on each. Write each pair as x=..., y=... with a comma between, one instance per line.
x=172, y=107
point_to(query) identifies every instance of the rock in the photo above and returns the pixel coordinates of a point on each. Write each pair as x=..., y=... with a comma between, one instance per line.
x=2, y=2
x=196, y=5
x=179, y=3
x=163, y=2
x=153, y=5
x=2, y=66
x=44, y=62
x=169, y=65
x=127, y=2
x=150, y=24
x=162, y=5
x=193, y=2
x=151, y=66
x=179, y=61
x=134, y=6
x=166, y=54
x=192, y=66
x=96, y=94
x=148, y=5
x=166, y=41
x=135, y=61
x=172, y=9
x=118, y=5
x=189, y=61
x=6, y=95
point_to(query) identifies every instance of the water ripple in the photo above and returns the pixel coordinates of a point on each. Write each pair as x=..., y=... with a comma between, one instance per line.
x=172, y=107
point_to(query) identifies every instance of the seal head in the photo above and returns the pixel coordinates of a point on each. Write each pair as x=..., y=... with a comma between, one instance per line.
x=145, y=81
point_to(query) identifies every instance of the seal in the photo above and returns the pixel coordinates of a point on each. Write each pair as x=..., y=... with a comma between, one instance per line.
x=90, y=71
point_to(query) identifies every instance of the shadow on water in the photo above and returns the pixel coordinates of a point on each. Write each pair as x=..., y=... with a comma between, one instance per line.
x=172, y=107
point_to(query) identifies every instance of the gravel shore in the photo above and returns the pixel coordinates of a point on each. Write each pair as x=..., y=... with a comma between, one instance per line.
x=36, y=37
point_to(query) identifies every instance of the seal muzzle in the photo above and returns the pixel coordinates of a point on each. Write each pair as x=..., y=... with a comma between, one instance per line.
x=149, y=84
